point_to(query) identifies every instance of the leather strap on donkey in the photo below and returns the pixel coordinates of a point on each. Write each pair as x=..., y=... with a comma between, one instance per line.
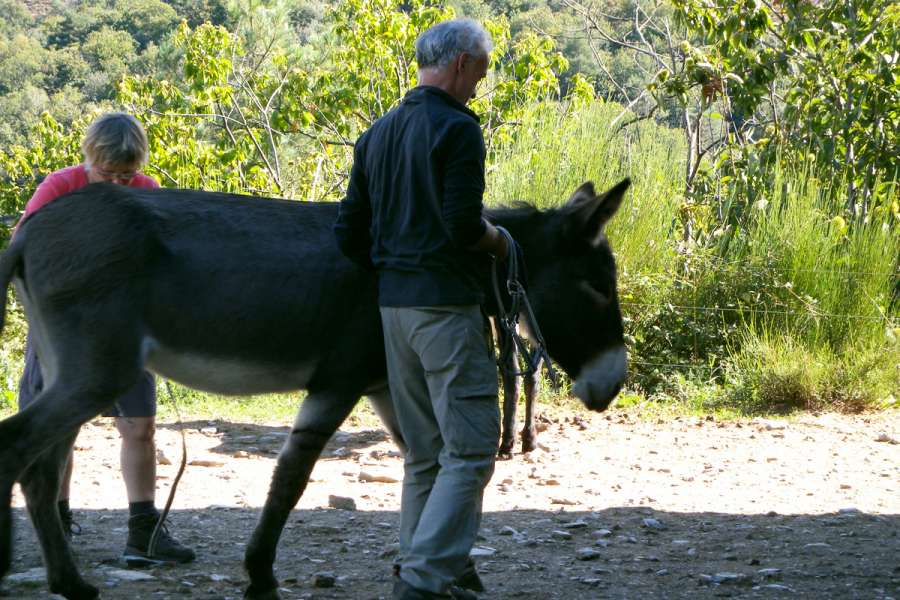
x=508, y=317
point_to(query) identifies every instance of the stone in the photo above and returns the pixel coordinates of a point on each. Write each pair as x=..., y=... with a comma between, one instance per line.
x=161, y=458
x=376, y=478
x=33, y=576
x=323, y=579
x=587, y=554
x=729, y=578
x=128, y=575
x=769, y=573
x=579, y=524
x=206, y=463
x=341, y=503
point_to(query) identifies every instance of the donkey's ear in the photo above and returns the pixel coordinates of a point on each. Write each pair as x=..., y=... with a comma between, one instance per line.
x=584, y=193
x=591, y=214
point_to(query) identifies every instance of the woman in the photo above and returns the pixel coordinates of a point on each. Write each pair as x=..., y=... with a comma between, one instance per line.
x=115, y=149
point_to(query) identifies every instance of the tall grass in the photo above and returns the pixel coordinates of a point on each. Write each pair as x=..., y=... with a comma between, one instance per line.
x=556, y=149
x=834, y=281
x=792, y=312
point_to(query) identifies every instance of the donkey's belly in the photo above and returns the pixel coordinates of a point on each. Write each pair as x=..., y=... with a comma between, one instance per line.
x=222, y=374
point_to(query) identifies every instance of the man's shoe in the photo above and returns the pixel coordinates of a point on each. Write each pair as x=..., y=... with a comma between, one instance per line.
x=404, y=591
x=469, y=578
x=459, y=593
x=69, y=526
x=167, y=549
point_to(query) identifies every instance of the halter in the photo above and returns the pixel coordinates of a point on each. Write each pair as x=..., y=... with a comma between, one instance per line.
x=508, y=319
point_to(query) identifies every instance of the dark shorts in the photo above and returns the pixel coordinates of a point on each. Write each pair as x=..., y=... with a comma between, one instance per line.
x=139, y=401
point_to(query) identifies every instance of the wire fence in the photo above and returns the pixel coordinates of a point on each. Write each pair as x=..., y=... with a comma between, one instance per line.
x=749, y=309
x=744, y=263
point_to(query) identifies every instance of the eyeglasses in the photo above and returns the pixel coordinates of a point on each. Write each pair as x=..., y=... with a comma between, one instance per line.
x=114, y=175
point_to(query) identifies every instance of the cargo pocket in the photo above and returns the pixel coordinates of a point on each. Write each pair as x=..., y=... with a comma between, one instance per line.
x=474, y=422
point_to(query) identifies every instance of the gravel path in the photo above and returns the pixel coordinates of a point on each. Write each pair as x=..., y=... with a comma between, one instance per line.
x=610, y=506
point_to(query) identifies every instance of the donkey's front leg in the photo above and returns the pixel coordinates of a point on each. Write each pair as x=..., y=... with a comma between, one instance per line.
x=529, y=433
x=319, y=417
x=40, y=483
x=508, y=367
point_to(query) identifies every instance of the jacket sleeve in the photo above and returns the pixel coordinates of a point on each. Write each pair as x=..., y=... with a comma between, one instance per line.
x=463, y=184
x=351, y=230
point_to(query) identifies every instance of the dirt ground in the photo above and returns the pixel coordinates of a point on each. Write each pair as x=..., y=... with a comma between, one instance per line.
x=610, y=506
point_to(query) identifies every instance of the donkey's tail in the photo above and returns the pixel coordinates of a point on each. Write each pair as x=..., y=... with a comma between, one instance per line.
x=9, y=262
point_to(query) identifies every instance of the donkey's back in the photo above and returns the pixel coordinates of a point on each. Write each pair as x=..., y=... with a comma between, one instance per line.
x=220, y=292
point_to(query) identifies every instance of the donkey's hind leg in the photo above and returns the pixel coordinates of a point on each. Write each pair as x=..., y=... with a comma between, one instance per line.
x=40, y=483
x=36, y=445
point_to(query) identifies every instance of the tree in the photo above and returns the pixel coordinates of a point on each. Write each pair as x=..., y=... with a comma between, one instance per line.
x=250, y=112
x=22, y=62
x=16, y=18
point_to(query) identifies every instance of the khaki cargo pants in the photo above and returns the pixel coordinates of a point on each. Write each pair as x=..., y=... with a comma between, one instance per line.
x=443, y=383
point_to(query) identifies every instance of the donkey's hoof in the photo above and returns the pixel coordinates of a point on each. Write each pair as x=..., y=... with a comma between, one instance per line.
x=528, y=443
x=254, y=593
x=76, y=590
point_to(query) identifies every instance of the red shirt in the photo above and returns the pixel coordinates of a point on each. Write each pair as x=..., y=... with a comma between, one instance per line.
x=68, y=180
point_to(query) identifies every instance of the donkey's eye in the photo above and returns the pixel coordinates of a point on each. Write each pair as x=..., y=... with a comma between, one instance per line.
x=598, y=297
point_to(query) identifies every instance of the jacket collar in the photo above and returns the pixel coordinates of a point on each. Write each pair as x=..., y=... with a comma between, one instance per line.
x=419, y=92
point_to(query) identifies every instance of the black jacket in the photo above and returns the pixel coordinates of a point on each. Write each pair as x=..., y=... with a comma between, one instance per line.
x=414, y=202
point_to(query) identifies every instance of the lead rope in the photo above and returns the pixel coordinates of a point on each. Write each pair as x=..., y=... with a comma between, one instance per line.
x=154, y=537
x=508, y=319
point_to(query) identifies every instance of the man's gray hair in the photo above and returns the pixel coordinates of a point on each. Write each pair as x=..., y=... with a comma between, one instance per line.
x=438, y=45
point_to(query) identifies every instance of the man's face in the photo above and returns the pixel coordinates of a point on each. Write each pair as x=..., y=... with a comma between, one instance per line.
x=111, y=173
x=473, y=69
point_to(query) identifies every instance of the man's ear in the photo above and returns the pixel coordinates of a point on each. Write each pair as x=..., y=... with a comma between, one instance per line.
x=460, y=61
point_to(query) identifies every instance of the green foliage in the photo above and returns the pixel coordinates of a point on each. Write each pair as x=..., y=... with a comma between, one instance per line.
x=201, y=128
x=16, y=18
x=22, y=62
x=198, y=12
x=773, y=373
x=75, y=54
x=51, y=146
x=12, y=353
x=837, y=68
x=281, y=121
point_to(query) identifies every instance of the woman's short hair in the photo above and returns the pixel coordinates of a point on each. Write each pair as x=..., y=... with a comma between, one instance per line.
x=115, y=139
x=441, y=43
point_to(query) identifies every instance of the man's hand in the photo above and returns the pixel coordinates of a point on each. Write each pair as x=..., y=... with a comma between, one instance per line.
x=493, y=242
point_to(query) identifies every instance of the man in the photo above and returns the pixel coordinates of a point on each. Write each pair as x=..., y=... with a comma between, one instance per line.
x=115, y=149
x=413, y=211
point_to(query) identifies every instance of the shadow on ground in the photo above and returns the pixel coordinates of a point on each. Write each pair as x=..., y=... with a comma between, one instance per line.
x=614, y=553
x=267, y=440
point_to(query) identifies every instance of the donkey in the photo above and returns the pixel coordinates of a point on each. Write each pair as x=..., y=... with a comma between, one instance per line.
x=239, y=295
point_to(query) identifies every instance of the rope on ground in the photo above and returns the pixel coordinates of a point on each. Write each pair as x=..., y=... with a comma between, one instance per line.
x=151, y=548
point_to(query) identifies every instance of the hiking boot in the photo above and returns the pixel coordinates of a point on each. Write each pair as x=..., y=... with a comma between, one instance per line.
x=167, y=550
x=459, y=593
x=69, y=526
x=468, y=580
